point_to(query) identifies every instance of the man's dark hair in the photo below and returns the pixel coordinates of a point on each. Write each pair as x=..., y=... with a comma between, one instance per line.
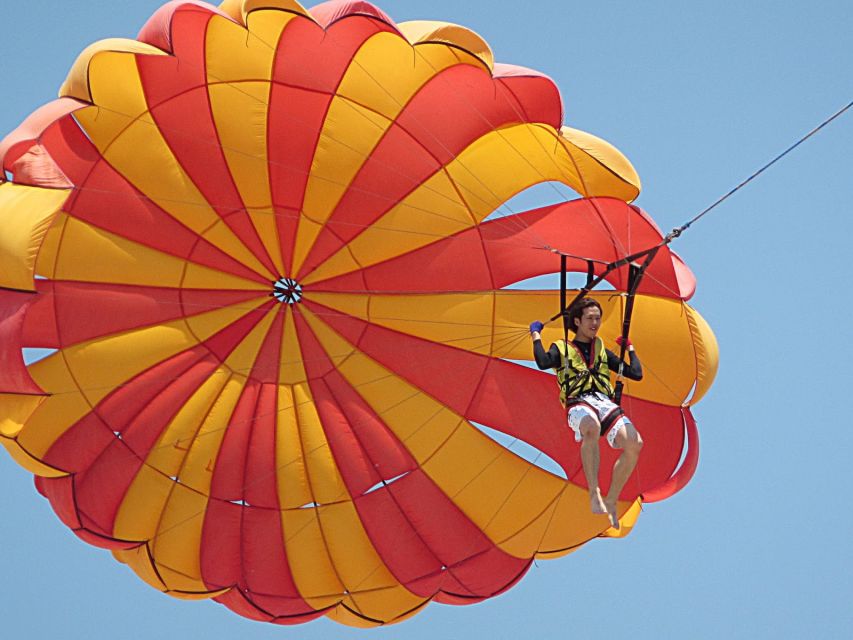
x=575, y=311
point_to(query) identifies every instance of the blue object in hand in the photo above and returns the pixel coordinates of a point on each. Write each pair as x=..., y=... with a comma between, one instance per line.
x=536, y=326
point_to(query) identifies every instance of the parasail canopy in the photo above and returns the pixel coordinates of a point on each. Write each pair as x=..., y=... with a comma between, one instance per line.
x=269, y=252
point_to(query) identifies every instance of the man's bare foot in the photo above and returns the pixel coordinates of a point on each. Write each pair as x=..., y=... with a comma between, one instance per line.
x=611, y=513
x=596, y=502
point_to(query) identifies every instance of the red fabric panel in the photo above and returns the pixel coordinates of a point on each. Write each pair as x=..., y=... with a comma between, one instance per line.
x=266, y=367
x=60, y=494
x=688, y=467
x=39, y=328
x=503, y=251
x=83, y=311
x=229, y=473
x=328, y=13
x=266, y=577
x=220, y=546
x=261, y=488
x=536, y=95
x=457, y=263
x=308, y=68
x=402, y=550
x=534, y=416
x=386, y=455
x=23, y=156
x=14, y=377
x=238, y=603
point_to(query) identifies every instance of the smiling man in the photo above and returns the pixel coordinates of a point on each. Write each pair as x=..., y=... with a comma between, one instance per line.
x=583, y=372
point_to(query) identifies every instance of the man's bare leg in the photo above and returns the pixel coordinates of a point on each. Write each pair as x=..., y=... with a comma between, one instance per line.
x=590, y=431
x=629, y=440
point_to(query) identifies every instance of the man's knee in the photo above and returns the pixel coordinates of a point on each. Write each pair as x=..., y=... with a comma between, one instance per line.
x=633, y=442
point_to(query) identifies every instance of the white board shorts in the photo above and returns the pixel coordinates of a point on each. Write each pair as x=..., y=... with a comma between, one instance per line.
x=602, y=409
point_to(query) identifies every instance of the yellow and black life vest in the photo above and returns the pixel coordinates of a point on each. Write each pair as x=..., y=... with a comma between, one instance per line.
x=576, y=376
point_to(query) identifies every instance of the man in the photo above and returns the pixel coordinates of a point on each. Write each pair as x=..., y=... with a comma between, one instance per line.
x=583, y=373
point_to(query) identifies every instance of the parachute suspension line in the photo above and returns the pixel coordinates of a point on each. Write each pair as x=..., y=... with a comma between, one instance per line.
x=678, y=231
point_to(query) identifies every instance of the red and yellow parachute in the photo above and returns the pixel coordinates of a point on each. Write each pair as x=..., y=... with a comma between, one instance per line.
x=260, y=245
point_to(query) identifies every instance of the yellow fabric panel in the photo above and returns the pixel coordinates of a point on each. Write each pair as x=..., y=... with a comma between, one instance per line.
x=603, y=169
x=249, y=6
x=171, y=449
x=350, y=133
x=45, y=265
x=239, y=69
x=432, y=211
x=90, y=254
x=197, y=470
x=462, y=320
x=240, y=111
x=294, y=488
x=506, y=161
x=325, y=480
x=490, y=484
x=78, y=82
x=101, y=364
x=308, y=558
x=15, y=410
x=290, y=370
x=126, y=135
x=170, y=516
x=707, y=353
x=359, y=566
x=566, y=530
x=176, y=545
x=27, y=213
x=427, y=31
x=197, y=276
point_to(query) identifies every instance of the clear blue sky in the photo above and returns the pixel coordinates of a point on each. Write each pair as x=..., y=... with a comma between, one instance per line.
x=698, y=96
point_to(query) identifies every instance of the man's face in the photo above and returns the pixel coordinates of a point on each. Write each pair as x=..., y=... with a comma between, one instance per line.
x=589, y=323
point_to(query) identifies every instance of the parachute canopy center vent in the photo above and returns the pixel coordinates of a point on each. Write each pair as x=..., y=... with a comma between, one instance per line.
x=287, y=290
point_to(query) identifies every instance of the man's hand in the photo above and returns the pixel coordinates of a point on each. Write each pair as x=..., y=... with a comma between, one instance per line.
x=628, y=344
x=536, y=327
